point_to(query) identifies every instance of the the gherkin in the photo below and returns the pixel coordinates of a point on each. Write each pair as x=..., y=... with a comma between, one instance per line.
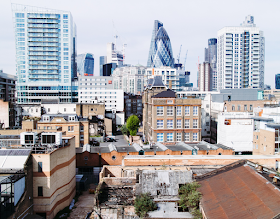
x=160, y=50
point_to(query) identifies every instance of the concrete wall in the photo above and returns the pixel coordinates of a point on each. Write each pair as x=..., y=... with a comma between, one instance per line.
x=57, y=179
x=264, y=142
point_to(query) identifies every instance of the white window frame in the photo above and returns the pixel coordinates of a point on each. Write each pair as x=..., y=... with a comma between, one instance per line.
x=187, y=136
x=160, y=111
x=169, y=111
x=168, y=138
x=179, y=136
x=195, y=136
x=187, y=110
x=160, y=124
x=179, y=110
x=160, y=135
x=179, y=123
x=195, y=123
x=169, y=123
x=195, y=110
x=187, y=123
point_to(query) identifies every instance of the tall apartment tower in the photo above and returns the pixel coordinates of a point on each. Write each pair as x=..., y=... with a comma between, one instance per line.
x=211, y=57
x=240, y=59
x=160, y=53
x=45, y=54
x=204, y=78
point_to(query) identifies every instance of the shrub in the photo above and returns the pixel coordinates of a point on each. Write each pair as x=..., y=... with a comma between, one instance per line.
x=143, y=204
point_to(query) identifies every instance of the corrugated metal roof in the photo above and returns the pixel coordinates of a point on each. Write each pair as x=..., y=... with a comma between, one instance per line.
x=239, y=192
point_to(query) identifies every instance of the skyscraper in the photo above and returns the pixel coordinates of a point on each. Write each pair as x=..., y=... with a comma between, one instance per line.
x=211, y=57
x=204, y=79
x=277, y=81
x=160, y=53
x=240, y=59
x=85, y=64
x=102, y=61
x=114, y=56
x=45, y=53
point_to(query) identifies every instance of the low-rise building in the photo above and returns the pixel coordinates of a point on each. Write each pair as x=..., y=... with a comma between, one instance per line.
x=133, y=105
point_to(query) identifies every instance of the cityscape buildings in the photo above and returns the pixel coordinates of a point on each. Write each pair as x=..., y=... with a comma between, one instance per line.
x=45, y=53
x=160, y=53
x=210, y=56
x=240, y=56
x=85, y=64
x=102, y=61
x=277, y=81
x=114, y=56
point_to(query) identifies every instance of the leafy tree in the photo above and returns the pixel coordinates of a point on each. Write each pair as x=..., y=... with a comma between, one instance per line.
x=132, y=124
x=143, y=204
x=190, y=198
x=124, y=130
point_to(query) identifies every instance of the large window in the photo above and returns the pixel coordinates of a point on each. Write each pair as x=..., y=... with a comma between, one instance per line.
x=170, y=124
x=159, y=124
x=179, y=110
x=187, y=123
x=170, y=111
x=179, y=123
x=187, y=110
x=179, y=137
x=195, y=138
x=159, y=137
x=187, y=136
x=48, y=139
x=169, y=137
x=159, y=110
x=40, y=191
x=195, y=123
x=40, y=167
x=195, y=110
x=70, y=128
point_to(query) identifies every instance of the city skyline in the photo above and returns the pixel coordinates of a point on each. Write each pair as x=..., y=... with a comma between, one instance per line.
x=187, y=29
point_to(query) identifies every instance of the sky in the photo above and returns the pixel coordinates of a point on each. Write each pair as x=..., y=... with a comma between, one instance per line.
x=188, y=23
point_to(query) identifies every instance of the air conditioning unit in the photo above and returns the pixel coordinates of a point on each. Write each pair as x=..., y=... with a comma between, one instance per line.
x=51, y=138
x=28, y=138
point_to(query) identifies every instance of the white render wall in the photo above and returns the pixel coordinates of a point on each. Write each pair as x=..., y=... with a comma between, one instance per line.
x=69, y=108
x=238, y=135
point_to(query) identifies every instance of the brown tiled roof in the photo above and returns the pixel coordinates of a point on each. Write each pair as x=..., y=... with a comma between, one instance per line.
x=238, y=192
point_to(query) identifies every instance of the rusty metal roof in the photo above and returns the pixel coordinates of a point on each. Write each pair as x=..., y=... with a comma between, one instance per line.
x=239, y=192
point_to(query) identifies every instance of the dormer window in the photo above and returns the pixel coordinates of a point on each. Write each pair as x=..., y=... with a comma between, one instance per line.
x=46, y=118
x=71, y=118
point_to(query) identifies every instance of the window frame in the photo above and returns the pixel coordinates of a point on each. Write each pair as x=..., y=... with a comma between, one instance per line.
x=160, y=111
x=160, y=127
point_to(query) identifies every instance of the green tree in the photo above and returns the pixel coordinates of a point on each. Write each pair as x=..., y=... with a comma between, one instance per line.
x=143, y=204
x=132, y=124
x=125, y=130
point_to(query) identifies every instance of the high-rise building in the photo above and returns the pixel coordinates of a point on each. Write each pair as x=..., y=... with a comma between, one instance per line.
x=102, y=61
x=114, y=56
x=85, y=64
x=211, y=57
x=204, y=79
x=160, y=53
x=45, y=54
x=240, y=59
x=277, y=81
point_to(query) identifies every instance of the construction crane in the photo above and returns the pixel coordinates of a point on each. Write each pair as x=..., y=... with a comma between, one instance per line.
x=178, y=58
x=185, y=60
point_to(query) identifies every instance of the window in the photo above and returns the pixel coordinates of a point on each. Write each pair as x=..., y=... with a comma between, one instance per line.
x=195, y=110
x=233, y=108
x=187, y=136
x=238, y=108
x=179, y=123
x=40, y=191
x=159, y=124
x=70, y=128
x=159, y=137
x=195, y=123
x=207, y=123
x=170, y=124
x=179, y=110
x=195, y=136
x=40, y=167
x=49, y=109
x=170, y=111
x=251, y=107
x=179, y=137
x=64, y=109
x=82, y=128
x=169, y=137
x=187, y=110
x=187, y=123
x=245, y=107
x=159, y=110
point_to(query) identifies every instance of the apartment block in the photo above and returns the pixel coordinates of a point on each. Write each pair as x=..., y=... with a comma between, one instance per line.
x=167, y=118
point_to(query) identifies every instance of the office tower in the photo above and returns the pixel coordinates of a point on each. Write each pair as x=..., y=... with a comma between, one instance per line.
x=211, y=57
x=85, y=64
x=114, y=56
x=108, y=69
x=160, y=53
x=45, y=54
x=240, y=59
x=204, y=78
x=277, y=81
x=102, y=61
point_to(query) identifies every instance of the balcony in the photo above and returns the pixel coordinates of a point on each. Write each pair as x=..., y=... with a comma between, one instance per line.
x=35, y=30
x=42, y=21
x=54, y=49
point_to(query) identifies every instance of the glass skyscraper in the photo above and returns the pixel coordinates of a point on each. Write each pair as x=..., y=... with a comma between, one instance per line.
x=277, y=81
x=85, y=64
x=45, y=54
x=102, y=61
x=160, y=49
x=211, y=57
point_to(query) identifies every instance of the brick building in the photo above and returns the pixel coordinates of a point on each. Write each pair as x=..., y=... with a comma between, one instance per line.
x=169, y=119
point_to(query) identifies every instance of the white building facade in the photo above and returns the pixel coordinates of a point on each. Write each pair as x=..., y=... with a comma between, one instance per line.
x=240, y=56
x=129, y=78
